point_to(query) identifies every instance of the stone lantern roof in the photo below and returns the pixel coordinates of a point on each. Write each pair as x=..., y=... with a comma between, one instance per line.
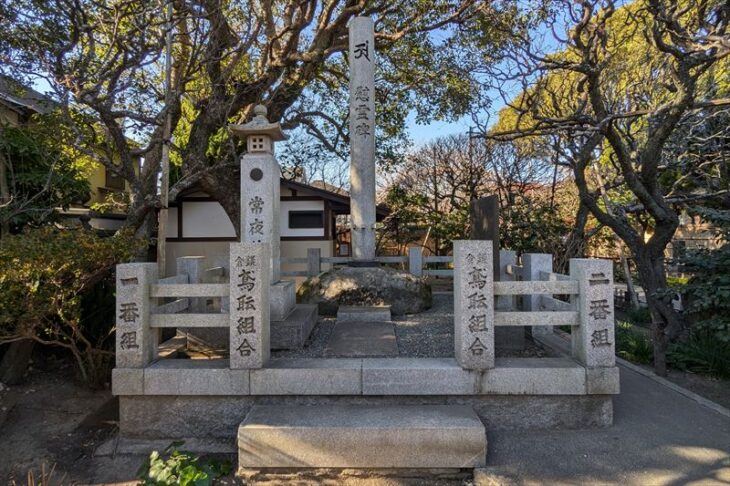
x=260, y=125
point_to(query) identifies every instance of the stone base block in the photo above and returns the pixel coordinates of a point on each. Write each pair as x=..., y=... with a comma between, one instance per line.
x=282, y=298
x=292, y=331
x=203, y=417
x=363, y=313
x=422, y=436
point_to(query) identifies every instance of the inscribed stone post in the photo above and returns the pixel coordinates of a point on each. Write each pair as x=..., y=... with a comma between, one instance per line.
x=593, y=339
x=362, y=137
x=250, y=312
x=473, y=304
x=136, y=342
x=260, y=190
x=532, y=265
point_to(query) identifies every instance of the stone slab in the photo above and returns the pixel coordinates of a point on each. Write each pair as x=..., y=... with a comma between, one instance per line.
x=293, y=331
x=195, y=377
x=417, y=376
x=424, y=436
x=282, y=298
x=361, y=338
x=518, y=376
x=167, y=417
x=603, y=381
x=363, y=313
x=312, y=376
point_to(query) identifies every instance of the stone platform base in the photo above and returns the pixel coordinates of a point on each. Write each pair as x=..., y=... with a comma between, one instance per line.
x=153, y=417
x=292, y=331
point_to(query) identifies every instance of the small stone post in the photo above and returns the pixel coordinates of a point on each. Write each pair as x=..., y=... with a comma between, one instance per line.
x=473, y=304
x=192, y=266
x=136, y=342
x=362, y=137
x=506, y=257
x=314, y=262
x=250, y=311
x=415, y=261
x=532, y=265
x=593, y=340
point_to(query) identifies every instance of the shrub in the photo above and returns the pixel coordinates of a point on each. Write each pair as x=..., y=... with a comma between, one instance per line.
x=633, y=345
x=702, y=353
x=45, y=275
x=181, y=468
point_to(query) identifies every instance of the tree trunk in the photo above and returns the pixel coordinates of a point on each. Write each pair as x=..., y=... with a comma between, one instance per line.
x=666, y=322
x=15, y=361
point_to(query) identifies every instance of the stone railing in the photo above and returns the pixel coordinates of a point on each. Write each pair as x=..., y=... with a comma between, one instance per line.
x=527, y=295
x=589, y=312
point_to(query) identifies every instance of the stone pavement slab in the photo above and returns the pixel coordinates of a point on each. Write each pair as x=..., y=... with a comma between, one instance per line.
x=362, y=338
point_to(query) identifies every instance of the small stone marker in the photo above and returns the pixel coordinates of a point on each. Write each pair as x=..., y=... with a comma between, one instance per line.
x=249, y=306
x=474, y=304
x=594, y=340
x=136, y=343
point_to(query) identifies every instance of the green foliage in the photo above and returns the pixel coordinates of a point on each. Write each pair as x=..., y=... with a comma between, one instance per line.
x=55, y=288
x=640, y=316
x=702, y=353
x=707, y=293
x=41, y=174
x=632, y=344
x=176, y=467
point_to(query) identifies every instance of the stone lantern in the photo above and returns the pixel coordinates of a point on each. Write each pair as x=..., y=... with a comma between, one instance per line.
x=259, y=133
x=260, y=195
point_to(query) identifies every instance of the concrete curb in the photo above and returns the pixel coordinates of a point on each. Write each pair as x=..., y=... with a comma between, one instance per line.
x=662, y=381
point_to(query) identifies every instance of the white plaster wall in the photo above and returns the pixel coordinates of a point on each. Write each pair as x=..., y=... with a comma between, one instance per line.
x=206, y=220
x=287, y=206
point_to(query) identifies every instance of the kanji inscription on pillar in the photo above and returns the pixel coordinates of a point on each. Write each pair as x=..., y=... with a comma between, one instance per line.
x=249, y=312
x=593, y=338
x=136, y=343
x=474, y=304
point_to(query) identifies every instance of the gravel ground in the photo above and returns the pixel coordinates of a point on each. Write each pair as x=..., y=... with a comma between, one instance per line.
x=429, y=334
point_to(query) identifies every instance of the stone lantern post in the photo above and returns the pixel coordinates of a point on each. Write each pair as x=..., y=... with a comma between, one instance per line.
x=260, y=196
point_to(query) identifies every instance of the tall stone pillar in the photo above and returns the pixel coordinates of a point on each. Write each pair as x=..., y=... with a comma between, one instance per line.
x=362, y=138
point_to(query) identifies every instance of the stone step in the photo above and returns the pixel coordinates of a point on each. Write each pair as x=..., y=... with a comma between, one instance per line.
x=292, y=331
x=363, y=313
x=361, y=436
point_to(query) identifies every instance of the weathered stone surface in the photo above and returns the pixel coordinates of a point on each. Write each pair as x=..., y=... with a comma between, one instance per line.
x=250, y=312
x=282, y=298
x=160, y=417
x=308, y=376
x=520, y=376
x=404, y=293
x=362, y=137
x=195, y=377
x=473, y=304
x=603, y=381
x=127, y=381
x=363, y=313
x=136, y=345
x=414, y=376
x=593, y=341
x=362, y=339
x=362, y=436
x=293, y=331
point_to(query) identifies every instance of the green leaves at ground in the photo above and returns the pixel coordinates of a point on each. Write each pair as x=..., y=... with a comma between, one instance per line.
x=176, y=467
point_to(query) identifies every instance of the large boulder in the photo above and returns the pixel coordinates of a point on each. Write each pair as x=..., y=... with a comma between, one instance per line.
x=403, y=292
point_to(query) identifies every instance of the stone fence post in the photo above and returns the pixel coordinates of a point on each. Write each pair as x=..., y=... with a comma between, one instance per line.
x=192, y=266
x=314, y=262
x=474, y=304
x=532, y=265
x=594, y=340
x=136, y=342
x=415, y=261
x=250, y=312
x=506, y=257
